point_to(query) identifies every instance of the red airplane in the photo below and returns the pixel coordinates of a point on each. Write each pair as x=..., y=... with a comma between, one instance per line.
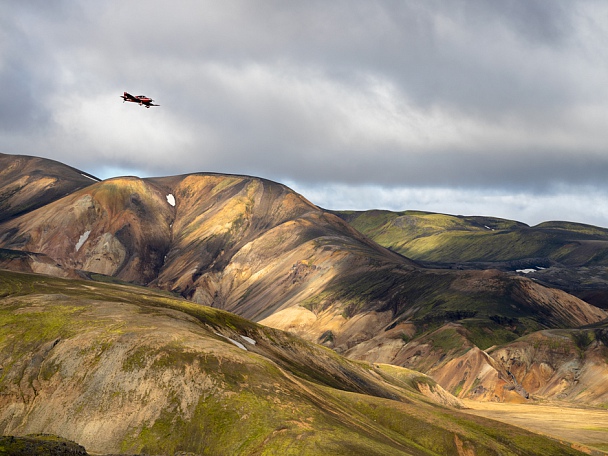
x=141, y=99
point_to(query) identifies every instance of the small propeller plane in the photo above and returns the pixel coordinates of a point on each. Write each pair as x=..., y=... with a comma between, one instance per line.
x=141, y=99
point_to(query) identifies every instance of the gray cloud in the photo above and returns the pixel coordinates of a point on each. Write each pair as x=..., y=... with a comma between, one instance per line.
x=478, y=96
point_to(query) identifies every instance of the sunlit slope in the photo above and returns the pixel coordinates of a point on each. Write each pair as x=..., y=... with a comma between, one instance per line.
x=569, y=364
x=253, y=246
x=119, y=227
x=129, y=228
x=566, y=364
x=258, y=249
x=452, y=239
x=121, y=368
x=381, y=303
x=27, y=183
x=447, y=327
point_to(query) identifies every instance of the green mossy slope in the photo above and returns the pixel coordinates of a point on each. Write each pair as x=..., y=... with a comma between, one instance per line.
x=446, y=238
x=123, y=368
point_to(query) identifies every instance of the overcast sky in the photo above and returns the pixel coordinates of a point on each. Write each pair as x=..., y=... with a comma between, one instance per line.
x=460, y=106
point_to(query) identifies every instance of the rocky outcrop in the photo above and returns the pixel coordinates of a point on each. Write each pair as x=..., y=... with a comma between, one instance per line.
x=39, y=445
x=569, y=365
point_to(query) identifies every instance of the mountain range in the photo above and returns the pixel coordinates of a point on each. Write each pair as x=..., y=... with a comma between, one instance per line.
x=210, y=307
x=565, y=255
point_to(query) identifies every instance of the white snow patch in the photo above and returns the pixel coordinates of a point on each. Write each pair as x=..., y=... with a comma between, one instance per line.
x=484, y=370
x=525, y=271
x=488, y=228
x=249, y=339
x=238, y=344
x=171, y=199
x=82, y=239
x=91, y=177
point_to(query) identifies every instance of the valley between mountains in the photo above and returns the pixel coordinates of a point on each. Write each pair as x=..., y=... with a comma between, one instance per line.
x=224, y=314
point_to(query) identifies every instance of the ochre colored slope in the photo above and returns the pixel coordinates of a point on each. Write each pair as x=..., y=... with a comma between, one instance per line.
x=119, y=227
x=27, y=183
x=258, y=249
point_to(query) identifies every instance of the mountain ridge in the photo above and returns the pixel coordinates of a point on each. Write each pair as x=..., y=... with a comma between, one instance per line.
x=566, y=255
x=27, y=183
x=256, y=248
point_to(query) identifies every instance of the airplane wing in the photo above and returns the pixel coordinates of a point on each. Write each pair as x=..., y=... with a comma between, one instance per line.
x=128, y=97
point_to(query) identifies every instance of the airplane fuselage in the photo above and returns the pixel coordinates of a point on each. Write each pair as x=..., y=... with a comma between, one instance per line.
x=142, y=100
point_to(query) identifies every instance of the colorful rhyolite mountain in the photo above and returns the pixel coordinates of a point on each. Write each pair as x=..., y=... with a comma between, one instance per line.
x=259, y=250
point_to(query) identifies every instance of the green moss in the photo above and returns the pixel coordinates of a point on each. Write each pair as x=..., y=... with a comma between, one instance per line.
x=291, y=397
x=137, y=359
x=225, y=183
x=486, y=333
x=582, y=339
x=458, y=388
x=318, y=303
x=173, y=356
x=41, y=324
x=49, y=369
x=447, y=340
x=448, y=239
x=236, y=423
x=39, y=445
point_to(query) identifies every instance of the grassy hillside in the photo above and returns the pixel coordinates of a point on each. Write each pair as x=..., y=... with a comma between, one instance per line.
x=570, y=256
x=453, y=239
x=120, y=368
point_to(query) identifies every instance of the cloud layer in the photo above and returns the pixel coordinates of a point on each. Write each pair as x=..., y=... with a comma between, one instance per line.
x=501, y=104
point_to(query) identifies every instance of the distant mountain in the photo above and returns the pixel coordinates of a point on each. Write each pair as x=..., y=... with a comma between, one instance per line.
x=120, y=368
x=258, y=249
x=565, y=255
x=443, y=238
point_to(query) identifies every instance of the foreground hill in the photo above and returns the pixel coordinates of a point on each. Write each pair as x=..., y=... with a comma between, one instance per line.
x=39, y=445
x=119, y=368
x=258, y=249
